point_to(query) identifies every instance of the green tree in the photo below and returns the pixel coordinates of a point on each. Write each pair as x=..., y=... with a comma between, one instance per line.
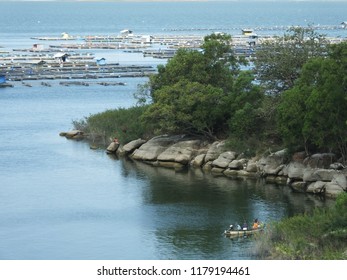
x=245, y=101
x=186, y=64
x=187, y=107
x=279, y=61
x=290, y=118
x=198, y=92
x=315, y=109
x=214, y=64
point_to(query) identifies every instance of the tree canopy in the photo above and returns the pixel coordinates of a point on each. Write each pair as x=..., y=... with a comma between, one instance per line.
x=314, y=112
x=200, y=91
x=279, y=60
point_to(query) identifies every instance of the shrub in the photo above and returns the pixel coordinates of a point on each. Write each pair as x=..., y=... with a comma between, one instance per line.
x=320, y=235
x=125, y=124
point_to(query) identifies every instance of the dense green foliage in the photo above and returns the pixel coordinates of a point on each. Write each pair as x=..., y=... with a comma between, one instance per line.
x=319, y=235
x=204, y=92
x=187, y=107
x=278, y=63
x=313, y=113
x=125, y=124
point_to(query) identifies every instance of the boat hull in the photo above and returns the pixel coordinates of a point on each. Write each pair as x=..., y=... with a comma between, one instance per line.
x=241, y=233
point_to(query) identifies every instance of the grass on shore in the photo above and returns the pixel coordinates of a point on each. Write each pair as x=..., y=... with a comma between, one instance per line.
x=321, y=235
x=125, y=124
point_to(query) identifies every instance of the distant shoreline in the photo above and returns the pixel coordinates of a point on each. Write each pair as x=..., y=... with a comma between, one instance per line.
x=144, y=1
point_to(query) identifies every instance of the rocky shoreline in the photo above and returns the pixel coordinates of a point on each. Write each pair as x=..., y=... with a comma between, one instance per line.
x=320, y=174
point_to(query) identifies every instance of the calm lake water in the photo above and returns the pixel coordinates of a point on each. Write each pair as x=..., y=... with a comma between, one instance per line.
x=62, y=200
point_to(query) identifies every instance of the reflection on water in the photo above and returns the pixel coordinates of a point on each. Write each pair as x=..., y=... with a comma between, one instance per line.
x=190, y=209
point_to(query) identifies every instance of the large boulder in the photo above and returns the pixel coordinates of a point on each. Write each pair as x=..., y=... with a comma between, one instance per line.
x=340, y=179
x=207, y=166
x=295, y=170
x=273, y=163
x=154, y=147
x=182, y=152
x=326, y=175
x=215, y=150
x=252, y=167
x=323, y=160
x=237, y=164
x=317, y=187
x=198, y=161
x=309, y=175
x=337, y=166
x=333, y=189
x=112, y=148
x=224, y=159
x=133, y=145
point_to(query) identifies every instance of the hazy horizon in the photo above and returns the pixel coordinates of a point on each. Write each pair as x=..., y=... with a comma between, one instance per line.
x=173, y=0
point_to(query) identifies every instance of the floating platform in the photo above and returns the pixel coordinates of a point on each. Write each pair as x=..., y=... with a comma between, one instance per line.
x=5, y=85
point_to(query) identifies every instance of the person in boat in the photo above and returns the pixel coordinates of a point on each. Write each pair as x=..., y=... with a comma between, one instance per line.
x=231, y=227
x=238, y=227
x=255, y=224
x=244, y=226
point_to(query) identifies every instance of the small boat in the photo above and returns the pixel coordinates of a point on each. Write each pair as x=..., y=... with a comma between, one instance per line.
x=232, y=233
x=3, y=82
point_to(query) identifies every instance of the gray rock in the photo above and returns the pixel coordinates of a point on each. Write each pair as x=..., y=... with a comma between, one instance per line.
x=340, y=179
x=324, y=174
x=320, y=160
x=154, y=147
x=217, y=170
x=295, y=170
x=215, y=150
x=207, y=166
x=72, y=134
x=112, y=148
x=198, y=161
x=231, y=173
x=333, y=189
x=131, y=146
x=309, y=175
x=336, y=166
x=237, y=164
x=182, y=152
x=273, y=163
x=252, y=167
x=316, y=187
x=224, y=159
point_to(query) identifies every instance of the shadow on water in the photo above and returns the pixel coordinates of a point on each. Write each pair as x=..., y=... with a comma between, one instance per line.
x=189, y=210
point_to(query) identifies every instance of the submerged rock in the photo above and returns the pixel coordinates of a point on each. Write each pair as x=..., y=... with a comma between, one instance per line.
x=73, y=134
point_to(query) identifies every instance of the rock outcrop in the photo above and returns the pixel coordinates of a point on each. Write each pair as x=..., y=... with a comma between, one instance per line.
x=315, y=174
x=170, y=151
